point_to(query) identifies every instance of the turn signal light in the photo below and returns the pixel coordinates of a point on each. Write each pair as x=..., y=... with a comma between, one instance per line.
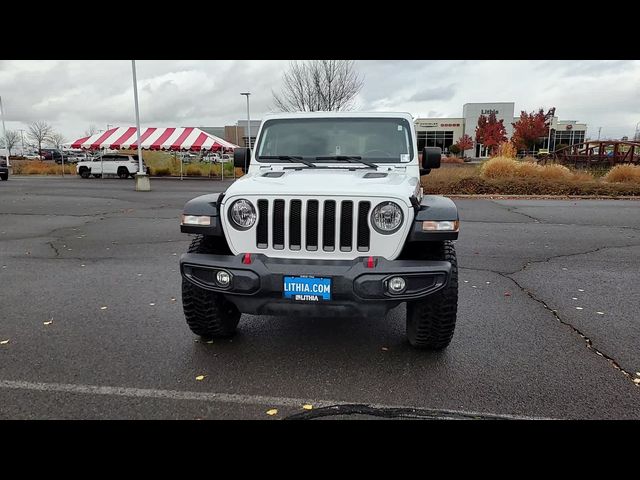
x=246, y=259
x=442, y=226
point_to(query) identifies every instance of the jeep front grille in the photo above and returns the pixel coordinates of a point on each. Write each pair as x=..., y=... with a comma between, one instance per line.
x=325, y=225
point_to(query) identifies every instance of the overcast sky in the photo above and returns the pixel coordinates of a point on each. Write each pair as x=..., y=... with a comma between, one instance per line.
x=71, y=95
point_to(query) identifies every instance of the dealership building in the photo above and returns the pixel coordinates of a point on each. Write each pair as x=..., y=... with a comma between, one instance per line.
x=444, y=132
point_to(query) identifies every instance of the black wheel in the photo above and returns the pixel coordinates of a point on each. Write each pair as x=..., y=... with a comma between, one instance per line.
x=4, y=177
x=431, y=321
x=85, y=173
x=123, y=173
x=208, y=314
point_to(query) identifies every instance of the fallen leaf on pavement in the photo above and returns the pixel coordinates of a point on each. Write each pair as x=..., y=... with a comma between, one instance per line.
x=580, y=290
x=200, y=377
x=578, y=308
x=151, y=304
x=4, y=342
x=307, y=407
x=173, y=299
x=273, y=411
x=600, y=313
x=385, y=349
x=103, y=308
x=636, y=381
x=507, y=294
x=49, y=322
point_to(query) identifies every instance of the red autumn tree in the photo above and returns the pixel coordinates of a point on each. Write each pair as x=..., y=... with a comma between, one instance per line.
x=490, y=132
x=531, y=127
x=465, y=142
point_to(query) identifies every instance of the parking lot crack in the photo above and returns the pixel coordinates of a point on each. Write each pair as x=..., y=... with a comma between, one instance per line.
x=588, y=342
x=54, y=248
x=514, y=210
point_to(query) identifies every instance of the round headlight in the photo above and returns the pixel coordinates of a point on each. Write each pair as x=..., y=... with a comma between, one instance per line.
x=242, y=214
x=387, y=217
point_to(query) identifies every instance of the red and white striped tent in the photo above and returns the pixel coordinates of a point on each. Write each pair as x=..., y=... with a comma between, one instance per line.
x=173, y=139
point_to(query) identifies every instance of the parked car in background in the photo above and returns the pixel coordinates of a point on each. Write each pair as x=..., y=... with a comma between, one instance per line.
x=4, y=170
x=124, y=166
x=50, y=154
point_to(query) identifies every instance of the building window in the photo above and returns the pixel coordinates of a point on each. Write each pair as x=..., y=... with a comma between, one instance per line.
x=442, y=139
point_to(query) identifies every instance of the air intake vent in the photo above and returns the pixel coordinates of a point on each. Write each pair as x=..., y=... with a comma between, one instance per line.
x=346, y=226
x=278, y=224
x=295, y=225
x=312, y=225
x=363, y=226
x=262, y=230
x=329, y=226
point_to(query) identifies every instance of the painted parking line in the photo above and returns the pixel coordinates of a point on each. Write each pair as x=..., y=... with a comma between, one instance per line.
x=221, y=397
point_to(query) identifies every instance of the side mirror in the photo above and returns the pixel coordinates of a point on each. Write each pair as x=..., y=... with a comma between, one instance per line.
x=431, y=158
x=241, y=158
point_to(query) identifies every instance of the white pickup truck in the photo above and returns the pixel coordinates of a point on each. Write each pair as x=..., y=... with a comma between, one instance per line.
x=124, y=166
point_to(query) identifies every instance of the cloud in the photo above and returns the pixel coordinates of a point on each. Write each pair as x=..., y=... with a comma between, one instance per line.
x=71, y=95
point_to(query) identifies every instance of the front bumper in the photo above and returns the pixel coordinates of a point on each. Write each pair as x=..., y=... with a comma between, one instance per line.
x=257, y=287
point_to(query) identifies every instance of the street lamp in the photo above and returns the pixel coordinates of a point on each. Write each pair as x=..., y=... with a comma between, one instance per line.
x=248, y=128
x=142, y=179
x=4, y=132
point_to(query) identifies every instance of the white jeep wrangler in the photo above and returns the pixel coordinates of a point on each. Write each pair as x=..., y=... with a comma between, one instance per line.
x=330, y=219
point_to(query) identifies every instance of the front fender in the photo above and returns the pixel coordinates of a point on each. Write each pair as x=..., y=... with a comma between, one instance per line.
x=433, y=208
x=208, y=205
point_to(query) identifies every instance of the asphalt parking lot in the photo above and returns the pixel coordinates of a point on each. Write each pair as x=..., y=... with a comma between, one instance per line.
x=548, y=323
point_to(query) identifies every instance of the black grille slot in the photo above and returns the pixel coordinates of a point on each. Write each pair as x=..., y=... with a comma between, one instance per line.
x=278, y=224
x=312, y=225
x=262, y=230
x=363, y=226
x=329, y=226
x=346, y=226
x=295, y=225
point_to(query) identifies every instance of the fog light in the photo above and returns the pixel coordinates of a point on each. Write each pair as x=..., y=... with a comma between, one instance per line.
x=396, y=285
x=223, y=278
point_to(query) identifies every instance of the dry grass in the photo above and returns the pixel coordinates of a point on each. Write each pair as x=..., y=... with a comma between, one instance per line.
x=523, y=178
x=36, y=167
x=507, y=150
x=623, y=174
x=451, y=159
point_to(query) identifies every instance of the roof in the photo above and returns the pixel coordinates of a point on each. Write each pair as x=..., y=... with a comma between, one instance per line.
x=343, y=114
x=152, y=138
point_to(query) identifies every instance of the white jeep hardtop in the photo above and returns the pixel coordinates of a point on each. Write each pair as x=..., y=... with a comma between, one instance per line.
x=330, y=218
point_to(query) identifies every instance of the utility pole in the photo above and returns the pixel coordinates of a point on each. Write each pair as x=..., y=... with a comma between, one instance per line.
x=599, y=129
x=22, y=141
x=248, y=127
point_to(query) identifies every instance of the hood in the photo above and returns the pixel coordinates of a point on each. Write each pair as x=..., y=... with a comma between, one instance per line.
x=327, y=182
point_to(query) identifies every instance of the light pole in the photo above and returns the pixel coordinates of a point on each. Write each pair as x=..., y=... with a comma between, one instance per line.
x=636, y=136
x=599, y=130
x=22, y=141
x=248, y=127
x=142, y=179
x=4, y=132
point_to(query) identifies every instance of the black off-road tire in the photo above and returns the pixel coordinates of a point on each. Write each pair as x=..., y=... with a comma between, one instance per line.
x=432, y=320
x=123, y=173
x=208, y=314
x=4, y=177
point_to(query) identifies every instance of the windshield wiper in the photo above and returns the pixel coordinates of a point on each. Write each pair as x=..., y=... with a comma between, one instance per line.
x=349, y=158
x=291, y=158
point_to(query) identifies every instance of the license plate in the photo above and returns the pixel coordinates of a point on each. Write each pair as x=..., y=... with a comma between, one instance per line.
x=307, y=289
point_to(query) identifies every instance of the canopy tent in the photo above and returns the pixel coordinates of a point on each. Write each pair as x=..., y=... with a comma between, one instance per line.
x=173, y=139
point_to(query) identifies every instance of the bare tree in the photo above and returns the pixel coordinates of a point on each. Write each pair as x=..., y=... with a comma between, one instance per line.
x=92, y=130
x=11, y=140
x=40, y=132
x=57, y=139
x=319, y=85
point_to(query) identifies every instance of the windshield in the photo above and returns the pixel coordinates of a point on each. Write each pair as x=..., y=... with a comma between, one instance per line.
x=373, y=139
